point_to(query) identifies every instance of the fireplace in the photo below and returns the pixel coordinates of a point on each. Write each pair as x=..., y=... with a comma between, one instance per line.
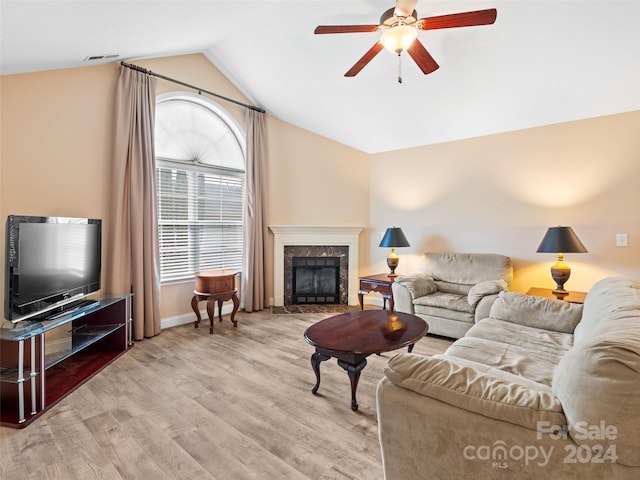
x=314, y=241
x=323, y=271
x=315, y=280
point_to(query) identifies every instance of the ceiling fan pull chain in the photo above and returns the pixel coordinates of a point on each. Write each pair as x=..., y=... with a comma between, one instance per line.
x=399, y=68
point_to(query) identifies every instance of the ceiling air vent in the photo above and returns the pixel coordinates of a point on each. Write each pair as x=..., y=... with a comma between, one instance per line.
x=93, y=58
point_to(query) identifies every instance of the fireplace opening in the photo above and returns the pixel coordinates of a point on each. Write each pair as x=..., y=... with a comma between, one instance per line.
x=316, y=280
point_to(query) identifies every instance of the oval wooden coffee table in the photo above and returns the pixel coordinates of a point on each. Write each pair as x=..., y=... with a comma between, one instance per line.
x=352, y=337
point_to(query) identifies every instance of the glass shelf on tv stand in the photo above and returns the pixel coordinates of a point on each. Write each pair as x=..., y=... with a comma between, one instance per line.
x=12, y=375
x=77, y=339
x=26, y=329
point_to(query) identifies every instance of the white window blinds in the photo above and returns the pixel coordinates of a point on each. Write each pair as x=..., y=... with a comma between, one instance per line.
x=200, y=203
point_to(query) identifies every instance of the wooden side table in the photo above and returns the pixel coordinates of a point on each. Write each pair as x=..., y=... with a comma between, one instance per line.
x=215, y=286
x=571, y=297
x=380, y=283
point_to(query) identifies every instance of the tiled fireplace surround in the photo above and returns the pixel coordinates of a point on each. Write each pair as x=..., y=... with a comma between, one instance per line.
x=315, y=241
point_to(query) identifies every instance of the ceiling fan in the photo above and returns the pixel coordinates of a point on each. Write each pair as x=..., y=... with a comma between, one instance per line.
x=400, y=26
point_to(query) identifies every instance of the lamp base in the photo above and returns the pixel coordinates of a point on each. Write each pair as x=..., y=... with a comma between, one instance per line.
x=560, y=275
x=392, y=263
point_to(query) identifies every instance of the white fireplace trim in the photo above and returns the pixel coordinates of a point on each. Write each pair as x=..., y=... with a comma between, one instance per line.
x=292, y=235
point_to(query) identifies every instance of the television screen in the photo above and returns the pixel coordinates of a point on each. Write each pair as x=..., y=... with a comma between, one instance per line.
x=50, y=262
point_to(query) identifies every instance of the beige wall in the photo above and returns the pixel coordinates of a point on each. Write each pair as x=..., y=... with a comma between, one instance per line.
x=55, y=147
x=55, y=144
x=499, y=194
x=315, y=181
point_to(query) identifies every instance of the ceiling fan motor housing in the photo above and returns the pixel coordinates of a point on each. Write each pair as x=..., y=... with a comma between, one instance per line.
x=389, y=19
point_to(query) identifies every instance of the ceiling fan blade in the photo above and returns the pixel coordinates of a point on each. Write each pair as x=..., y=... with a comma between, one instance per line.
x=465, y=19
x=366, y=58
x=345, y=28
x=423, y=59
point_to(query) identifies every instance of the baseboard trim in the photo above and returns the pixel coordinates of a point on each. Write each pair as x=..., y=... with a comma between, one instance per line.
x=190, y=317
x=185, y=318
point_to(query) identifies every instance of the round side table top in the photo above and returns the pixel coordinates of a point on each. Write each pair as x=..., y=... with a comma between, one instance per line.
x=216, y=273
x=212, y=282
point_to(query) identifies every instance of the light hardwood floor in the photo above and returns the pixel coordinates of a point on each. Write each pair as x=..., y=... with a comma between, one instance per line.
x=190, y=405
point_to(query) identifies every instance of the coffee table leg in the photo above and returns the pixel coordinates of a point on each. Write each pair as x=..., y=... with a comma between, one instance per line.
x=316, y=358
x=354, y=376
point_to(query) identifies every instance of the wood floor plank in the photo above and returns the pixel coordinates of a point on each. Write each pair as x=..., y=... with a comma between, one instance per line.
x=189, y=405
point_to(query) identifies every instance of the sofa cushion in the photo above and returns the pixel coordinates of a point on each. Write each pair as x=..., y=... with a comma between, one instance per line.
x=486, y=368
x=456, y=288
x=428, y=312
x=537, y=312
x=467, y=268
x=465, y=387
x=533, y=339
x=450, y=301
x=523, y=351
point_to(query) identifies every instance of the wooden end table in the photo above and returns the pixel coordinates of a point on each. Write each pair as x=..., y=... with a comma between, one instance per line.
x=215, y=286
x=380, y=283
x=571, y=297
x=352, y=337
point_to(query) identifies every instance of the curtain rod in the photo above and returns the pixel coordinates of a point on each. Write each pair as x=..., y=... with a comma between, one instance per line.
x=199, y=90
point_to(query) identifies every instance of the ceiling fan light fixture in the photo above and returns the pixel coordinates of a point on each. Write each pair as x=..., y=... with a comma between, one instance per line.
x=398, y=38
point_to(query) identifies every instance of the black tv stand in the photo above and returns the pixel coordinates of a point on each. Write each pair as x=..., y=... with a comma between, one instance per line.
x=71, y=308
x=42, y=362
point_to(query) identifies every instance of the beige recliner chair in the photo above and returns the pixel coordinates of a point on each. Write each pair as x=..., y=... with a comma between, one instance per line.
x=453, y=291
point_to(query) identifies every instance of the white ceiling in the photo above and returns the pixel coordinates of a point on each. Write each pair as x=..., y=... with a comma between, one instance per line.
x=542, y=62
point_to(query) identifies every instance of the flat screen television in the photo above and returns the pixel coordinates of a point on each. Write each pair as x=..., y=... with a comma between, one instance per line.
x=50, y=263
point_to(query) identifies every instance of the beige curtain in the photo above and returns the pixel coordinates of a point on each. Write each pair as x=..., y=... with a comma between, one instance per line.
x=255, y=233
x=133, y=250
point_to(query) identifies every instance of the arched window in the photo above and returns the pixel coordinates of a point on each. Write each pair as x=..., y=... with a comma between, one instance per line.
x=200, y=173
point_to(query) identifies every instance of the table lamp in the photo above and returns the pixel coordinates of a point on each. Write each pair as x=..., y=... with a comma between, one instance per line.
x=393, y=238
x=561, y=240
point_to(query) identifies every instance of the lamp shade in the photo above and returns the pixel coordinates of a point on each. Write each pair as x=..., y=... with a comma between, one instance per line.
x=561, y=240
x=394, y=237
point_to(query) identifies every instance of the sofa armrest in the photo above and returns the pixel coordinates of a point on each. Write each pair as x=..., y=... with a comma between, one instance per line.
x=406, y=288
x=483, y=308
x=482, y=289
x=476, y=391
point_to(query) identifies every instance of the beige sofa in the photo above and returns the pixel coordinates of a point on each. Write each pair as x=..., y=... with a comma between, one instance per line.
x=452, y=291
x=540, y=389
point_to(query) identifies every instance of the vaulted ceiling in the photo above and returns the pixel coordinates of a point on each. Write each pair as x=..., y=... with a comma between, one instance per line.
x=542, y=62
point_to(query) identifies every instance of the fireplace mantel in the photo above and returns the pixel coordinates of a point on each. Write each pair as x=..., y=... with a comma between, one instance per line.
x=290, y=235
